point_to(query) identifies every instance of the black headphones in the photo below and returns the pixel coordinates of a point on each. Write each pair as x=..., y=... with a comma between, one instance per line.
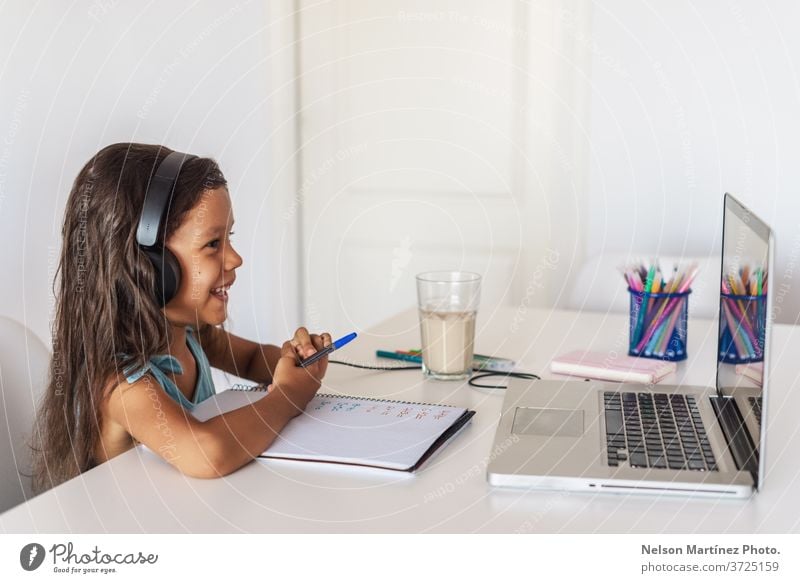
x=157, y=202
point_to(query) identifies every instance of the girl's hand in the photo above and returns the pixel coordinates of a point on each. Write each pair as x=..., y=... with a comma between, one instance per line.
x=306, y=344
x=298, y=385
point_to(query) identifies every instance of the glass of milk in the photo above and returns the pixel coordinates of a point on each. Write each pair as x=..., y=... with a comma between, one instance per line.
x=448, y=304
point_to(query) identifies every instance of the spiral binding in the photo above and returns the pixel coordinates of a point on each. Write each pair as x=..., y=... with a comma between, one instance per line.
x=242, y=387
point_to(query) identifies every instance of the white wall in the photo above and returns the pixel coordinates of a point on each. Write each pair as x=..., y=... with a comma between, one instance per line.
x=434, y=137
x=682, y=102
x=195, y=76
x=689, y=100
x=410, y=153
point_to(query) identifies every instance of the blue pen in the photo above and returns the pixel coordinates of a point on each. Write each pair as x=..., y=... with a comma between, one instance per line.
x=328, y=349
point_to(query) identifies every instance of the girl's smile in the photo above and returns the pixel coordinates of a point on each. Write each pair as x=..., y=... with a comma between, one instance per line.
x=221, y=292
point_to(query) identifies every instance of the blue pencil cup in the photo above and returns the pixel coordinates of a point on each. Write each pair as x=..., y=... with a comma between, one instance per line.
x=742, y=325
x=658, y=325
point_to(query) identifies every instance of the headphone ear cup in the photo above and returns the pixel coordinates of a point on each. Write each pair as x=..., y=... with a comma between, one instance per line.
x=168, y=274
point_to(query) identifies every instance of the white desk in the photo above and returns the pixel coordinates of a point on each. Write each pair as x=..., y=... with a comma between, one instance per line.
x=137, y=492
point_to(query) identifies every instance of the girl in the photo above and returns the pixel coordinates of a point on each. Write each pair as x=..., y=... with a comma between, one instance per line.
x=125, y=369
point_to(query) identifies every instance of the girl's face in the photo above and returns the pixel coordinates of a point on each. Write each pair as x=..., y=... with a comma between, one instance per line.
x=208, y=261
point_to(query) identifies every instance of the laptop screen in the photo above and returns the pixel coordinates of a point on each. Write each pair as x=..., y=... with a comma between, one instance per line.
x=743, y=310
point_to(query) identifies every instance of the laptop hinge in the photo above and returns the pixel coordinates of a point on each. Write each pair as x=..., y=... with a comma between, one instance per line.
x=744, y=453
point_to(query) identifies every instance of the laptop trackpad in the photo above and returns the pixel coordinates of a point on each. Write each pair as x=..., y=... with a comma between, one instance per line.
x=558, y=422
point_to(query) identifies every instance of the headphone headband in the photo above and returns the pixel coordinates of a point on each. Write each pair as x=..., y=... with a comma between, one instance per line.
x=158, y=198
x=157, y=201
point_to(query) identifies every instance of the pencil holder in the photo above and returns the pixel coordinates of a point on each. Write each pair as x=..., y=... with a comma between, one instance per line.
x=742, y=325
x=658, y=324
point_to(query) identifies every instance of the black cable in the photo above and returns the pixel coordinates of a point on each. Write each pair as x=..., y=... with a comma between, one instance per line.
x=481, y=374
x=374, y=367
x=516, y=375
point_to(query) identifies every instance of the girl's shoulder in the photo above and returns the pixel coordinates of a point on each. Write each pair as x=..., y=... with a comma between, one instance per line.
x=112, y=382
x=120, y=380
x=128, y=372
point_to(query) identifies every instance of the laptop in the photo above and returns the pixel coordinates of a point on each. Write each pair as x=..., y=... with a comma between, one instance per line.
x=658, y=439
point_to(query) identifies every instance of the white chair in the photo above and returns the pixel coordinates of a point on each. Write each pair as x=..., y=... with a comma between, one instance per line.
x=599, y=286
x=24, y=362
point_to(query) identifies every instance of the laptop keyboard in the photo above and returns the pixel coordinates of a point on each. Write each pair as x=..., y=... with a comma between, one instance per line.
x=755, y=403
x=656, y=430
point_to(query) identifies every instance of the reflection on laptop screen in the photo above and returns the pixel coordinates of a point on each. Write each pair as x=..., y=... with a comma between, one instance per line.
x=745, y=283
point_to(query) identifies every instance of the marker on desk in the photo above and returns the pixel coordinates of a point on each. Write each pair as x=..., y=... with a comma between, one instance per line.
x=408, y=357
x=480, y=362
x=327, y=350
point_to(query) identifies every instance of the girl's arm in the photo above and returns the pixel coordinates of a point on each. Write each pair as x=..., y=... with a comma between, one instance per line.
x=222, y=444
x=251, y=360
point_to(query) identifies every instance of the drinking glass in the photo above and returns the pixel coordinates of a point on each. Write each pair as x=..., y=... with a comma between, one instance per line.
x=448, y=303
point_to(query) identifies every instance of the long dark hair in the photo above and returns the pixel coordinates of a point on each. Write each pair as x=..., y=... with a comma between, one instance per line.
x=106, y=315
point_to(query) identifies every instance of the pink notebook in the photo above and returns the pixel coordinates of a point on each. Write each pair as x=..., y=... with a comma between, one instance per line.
x=606, y=367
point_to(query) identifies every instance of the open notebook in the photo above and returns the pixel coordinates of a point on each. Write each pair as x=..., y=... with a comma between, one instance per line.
x=397, y=435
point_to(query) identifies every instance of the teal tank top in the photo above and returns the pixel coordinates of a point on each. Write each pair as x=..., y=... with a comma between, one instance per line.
x=162, y=365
